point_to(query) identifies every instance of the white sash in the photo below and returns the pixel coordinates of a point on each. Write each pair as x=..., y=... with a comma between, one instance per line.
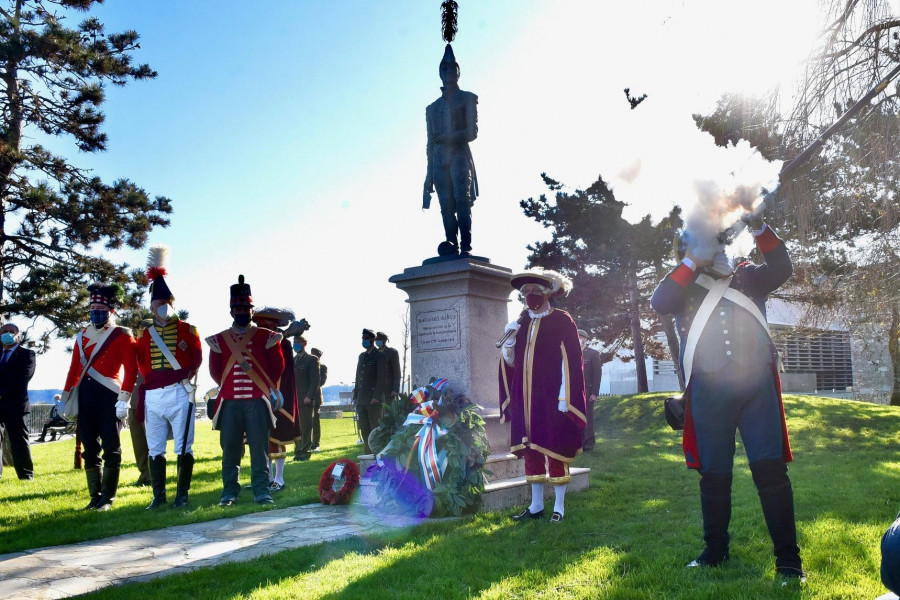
x=86, y=364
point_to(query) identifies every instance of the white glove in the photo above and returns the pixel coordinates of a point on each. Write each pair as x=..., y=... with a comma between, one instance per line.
x=122, y=402
x=514, y=326
x=562, y=406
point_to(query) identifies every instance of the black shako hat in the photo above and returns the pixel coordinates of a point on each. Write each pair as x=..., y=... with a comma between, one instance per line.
x=240, y=294
x=157, y=269
x=108, y=294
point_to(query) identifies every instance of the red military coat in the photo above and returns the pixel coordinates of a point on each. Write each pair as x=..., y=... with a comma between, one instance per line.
x=154, y=367
x=263, y=346
x=116, y=361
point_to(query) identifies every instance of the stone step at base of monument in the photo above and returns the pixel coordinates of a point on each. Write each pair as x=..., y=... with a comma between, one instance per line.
x=516, y=492
x=503, y=465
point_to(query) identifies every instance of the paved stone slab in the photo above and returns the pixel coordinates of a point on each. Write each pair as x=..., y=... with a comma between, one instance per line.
x=64, y=571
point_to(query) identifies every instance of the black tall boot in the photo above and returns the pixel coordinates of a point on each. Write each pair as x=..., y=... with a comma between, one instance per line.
x=93, y=483
x=185, y=473
x=715, y=502
x=108, y=486
x=777, y=498
x=157, y=468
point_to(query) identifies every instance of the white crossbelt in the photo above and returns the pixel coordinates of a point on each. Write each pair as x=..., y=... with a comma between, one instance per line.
x=718, y=288
x=154, y=335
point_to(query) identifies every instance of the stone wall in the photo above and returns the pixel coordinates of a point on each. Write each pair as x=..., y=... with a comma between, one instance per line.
x=872, y=370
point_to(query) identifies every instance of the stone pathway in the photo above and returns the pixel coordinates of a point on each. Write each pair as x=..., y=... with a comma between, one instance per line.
x=63, y=571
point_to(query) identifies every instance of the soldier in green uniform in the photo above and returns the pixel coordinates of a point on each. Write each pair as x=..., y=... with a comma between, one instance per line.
x=369, y=388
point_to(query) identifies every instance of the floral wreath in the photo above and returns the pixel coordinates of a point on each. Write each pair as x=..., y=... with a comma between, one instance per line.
x=339, y=490
x=437, y=439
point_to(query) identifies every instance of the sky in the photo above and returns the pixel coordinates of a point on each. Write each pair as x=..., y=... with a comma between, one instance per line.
x=290, y=135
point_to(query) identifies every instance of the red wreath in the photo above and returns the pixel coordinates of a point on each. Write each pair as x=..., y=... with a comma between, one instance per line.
x=351, y=481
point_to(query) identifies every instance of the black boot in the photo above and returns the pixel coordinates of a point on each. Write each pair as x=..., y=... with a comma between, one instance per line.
x=93, y=482
x=777, y=498
x=185, y=473
x=108, y=487
x=715, y=502
x=157, y=468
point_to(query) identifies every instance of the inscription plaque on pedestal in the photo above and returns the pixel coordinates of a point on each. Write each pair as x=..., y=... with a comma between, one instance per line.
x=437, y=330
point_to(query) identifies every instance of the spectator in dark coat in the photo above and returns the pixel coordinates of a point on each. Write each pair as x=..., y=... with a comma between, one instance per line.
x=593, y=370
x=306, y=379
x=317, y=404
x=392, y=366
x=16, y=370
x=369, y=388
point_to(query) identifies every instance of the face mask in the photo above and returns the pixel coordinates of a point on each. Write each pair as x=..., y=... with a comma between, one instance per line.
x=299, y=347
x=379, y=344
x=8, y=338
x=242, y=320
x=534, y=301
x=366, y=344
x=163, y=311
x=99, y=317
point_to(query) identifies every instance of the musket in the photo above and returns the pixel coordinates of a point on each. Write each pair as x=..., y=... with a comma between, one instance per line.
x=510, y=333
x=817, y=144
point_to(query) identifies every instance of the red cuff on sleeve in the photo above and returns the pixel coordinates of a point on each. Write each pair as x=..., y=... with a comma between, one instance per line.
x=767, y=241
x=683, y=275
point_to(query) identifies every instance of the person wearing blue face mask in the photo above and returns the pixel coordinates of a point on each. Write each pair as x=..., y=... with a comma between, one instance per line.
x=246, y=362
x=369, y=387
x=306, y=380
x=102, y=373
x=16, y=370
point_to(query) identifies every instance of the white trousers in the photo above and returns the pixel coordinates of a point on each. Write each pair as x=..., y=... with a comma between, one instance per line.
x=168, y=412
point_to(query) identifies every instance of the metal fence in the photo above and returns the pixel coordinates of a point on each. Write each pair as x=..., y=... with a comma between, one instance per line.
x=36, y=418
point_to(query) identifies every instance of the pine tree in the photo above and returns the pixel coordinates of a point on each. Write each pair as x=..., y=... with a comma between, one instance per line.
x=54, y=216
x=614, y=266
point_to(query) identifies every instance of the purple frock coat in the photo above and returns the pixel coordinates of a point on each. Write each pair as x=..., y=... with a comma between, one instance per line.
x=530, y=389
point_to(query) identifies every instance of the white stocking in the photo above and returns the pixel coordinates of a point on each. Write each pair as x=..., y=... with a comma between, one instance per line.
x=279, y=470
x=559, y=505
x=537, y=498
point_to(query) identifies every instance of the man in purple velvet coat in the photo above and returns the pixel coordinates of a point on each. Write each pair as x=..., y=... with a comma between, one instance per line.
x=542, y=389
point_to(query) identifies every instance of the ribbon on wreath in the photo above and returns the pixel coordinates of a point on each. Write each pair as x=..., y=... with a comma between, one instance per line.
x=431, y=461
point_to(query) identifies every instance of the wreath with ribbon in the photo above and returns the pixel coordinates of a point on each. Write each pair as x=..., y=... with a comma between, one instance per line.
x=431, y=450
x=337, y=485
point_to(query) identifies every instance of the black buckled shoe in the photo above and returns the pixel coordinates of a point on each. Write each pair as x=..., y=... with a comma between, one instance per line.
x=527, y=514
x=556, y=517
x=708, y=558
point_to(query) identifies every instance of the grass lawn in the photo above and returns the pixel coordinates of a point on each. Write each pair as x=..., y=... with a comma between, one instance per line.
x=47, y=510
x=628, y=536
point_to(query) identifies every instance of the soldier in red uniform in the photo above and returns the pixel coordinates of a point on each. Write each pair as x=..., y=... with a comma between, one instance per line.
x=246, y=361
x=102, y=373
x=286, y=417
x=168, y=356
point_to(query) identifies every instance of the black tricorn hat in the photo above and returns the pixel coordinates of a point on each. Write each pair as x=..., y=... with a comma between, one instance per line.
x=240, y=293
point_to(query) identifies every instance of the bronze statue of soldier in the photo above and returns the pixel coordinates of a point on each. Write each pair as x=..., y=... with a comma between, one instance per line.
x=452, y=122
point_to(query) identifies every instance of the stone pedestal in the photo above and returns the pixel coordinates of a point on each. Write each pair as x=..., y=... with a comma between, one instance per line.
x=458, y=310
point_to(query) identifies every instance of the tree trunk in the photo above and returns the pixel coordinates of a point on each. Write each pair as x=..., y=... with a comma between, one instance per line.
x=894, y=350
x=668, y=324
x=640, y=365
